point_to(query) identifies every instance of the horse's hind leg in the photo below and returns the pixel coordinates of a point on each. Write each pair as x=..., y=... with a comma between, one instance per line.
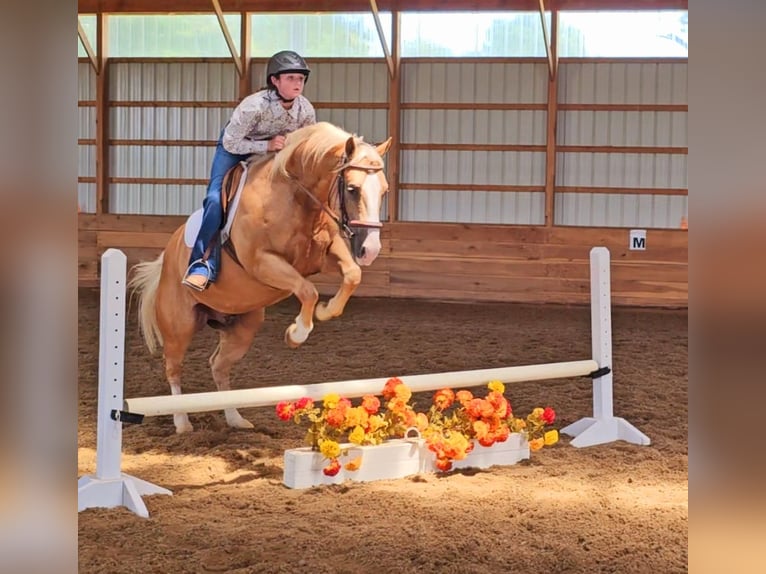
x=174, y=349
x=234, y=341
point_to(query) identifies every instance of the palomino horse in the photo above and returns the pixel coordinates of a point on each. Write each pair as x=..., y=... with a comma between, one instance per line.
x=297, y=206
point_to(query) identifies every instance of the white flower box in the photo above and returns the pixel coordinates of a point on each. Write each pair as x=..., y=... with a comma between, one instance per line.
x=393, y=459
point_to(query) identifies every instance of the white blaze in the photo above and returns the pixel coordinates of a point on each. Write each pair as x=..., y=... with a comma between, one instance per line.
x=371, y=195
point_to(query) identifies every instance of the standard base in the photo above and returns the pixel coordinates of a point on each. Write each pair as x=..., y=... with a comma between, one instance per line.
x=590, y=431
x=125, y=491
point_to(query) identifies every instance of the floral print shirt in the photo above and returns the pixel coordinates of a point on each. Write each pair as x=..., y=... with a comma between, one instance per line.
x=260, y=117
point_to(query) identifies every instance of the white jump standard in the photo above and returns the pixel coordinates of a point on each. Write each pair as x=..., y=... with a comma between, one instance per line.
x=111, y=488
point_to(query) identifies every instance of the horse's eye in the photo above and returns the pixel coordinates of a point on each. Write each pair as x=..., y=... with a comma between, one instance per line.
x=353, y=189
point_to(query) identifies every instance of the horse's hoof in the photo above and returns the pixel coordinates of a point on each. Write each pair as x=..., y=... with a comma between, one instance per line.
x=288, y=339
x=241, y=424
x=181, y=429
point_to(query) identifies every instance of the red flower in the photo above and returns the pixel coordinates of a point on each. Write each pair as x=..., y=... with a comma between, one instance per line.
x=285, y=410
x=549, y=415
x=304, y=403
x=443, y=464
x=333, y=468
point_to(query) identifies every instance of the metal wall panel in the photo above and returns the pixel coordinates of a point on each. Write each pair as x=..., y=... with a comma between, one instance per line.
x=621, y=128
x=361, y=82
x=208, y=81
x=161, y=82
x=474, y=126
x=468, y=83
x=622, y=83
x=86, y=129
x=620, y=210
x=523, y=208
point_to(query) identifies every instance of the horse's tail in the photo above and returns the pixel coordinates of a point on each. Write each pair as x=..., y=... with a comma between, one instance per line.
x=144, y=283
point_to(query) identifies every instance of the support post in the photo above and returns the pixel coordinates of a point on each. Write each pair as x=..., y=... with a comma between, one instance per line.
x=110, y=487
x=603, y=426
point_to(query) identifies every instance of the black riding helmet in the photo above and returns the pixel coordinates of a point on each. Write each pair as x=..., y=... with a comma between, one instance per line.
x=285, y=62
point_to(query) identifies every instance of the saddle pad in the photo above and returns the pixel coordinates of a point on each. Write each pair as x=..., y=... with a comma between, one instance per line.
x=194, y=222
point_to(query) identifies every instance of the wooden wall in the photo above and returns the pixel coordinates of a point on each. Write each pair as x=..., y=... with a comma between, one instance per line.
x=457, y=261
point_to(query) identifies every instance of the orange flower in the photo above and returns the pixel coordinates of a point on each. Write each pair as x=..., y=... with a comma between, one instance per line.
x=333, y=468
x=285, y=410
x=443, y=464
x=499, y=403
x=464, y=397
x=336, y=417
x=353, y=465
x=480, y=429
x=371, y=404
x=536, y=444
x=443, y=398
x=389, y=390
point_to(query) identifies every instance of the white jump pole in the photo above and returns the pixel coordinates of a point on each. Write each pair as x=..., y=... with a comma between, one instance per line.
x=603, y=426
x=111, y=487
x=243, y=398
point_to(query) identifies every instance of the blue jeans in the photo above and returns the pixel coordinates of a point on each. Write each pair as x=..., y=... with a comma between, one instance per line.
x=212, y=214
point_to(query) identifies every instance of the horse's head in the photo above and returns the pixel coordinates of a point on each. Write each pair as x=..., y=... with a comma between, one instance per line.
x=361, y=187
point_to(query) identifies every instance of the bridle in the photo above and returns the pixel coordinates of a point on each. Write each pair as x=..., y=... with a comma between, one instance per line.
x=345, y=225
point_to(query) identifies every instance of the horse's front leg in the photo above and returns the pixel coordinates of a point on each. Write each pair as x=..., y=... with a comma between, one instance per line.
x=352, y=277
x=274, y=271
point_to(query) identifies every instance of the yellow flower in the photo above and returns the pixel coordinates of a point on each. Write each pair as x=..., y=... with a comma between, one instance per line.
x=537, y=414
x=496, y=386
x=356, y=436
x=331, y=400
x=356, y=416
x=329, y=449
x=551, y=437
x=375, y=422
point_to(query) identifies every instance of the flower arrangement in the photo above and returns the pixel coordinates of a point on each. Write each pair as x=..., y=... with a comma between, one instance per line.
x=453, y=424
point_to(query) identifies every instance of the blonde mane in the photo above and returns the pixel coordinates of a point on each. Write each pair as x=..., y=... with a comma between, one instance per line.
x=318, y=140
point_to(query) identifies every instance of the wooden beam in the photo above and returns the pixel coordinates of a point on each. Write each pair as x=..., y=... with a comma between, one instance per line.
x=102, y=116
x=192, y=6
x=86, y=44
x=552, y=120
x=546, y=39
x=245, y=41
x=394, y=119
x=227, y=36
x=382, y=37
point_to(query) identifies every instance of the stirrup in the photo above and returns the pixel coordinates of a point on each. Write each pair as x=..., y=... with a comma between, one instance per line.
x=194, y=286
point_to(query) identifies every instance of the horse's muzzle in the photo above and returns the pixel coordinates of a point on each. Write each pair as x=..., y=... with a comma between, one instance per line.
x=365, y=240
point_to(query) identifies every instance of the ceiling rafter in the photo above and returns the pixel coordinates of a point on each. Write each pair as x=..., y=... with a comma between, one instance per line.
x=88, y=48
x=227, y=36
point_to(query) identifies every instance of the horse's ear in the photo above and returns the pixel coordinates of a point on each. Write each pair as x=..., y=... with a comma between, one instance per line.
x=383, y=148
x=350, y=147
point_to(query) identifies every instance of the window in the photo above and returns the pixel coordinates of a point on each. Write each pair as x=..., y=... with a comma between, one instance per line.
x=472, y=34
x=349, y=35
x=172, y=35
x=647, y=34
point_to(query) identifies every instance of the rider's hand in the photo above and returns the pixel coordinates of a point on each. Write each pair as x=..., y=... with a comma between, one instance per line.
x=276, y=143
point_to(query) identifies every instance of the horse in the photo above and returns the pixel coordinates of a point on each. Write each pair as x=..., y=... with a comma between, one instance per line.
x=315, y=202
